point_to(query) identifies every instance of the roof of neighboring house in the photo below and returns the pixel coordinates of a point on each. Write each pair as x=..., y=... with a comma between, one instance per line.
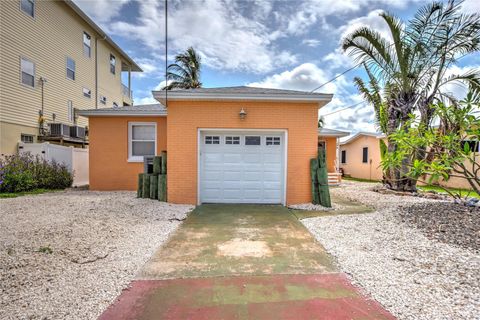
x=326, y=132
x=102, y=33
x=241, y=93
x=155, y=109
x=357, y=135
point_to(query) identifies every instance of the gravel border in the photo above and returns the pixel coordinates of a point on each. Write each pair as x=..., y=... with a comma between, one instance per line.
x=68, y=255
x=412, y=276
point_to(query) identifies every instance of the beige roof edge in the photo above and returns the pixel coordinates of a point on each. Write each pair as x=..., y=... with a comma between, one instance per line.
x=359, y=134
x=185, y=96
x=87, y=19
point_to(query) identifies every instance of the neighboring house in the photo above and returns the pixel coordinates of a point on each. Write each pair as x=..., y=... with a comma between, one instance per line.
x=360, y=156
x=328, y=140
x=54, y=60
x=225, y=145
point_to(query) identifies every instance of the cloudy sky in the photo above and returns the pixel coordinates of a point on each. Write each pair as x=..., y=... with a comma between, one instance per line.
x=289, y=44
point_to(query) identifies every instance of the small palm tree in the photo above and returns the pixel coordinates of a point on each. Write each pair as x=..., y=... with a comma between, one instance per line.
x=185, y=72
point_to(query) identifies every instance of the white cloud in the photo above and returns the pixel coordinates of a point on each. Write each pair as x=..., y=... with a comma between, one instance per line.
x=311, y=42
x=101, y=11
x=471, y=6
x=457, y=89
x=225, y=38
x=371, y=20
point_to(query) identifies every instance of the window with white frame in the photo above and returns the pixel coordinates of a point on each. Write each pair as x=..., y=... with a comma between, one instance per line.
x=273, y=141
x=70, y=68
x=87, y=93
x=27, y=69
x=212, y=139
x=26, y=138
x=28, y=6
x=70, y=111
x=113, y=63
x=142, y=140
x=87, y=49
x=232, y=140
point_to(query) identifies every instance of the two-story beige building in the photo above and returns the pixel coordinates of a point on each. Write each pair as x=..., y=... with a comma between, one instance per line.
x=55, y=60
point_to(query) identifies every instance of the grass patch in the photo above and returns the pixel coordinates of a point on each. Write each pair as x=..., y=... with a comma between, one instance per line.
x=46, y=250
x=26, y=193
x=461, y=192
x=360, y=180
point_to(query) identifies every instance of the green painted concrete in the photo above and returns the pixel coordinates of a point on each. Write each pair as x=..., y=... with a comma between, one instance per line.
x=225, y=240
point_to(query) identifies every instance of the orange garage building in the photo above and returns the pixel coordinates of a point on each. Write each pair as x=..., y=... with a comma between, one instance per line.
x=225, y=145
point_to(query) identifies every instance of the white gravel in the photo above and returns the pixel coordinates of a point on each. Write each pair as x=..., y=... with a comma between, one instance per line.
x=98, y=241
x=412, y=276
x=314, y=207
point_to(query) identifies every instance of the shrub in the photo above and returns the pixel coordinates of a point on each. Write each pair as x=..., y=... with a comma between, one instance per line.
x=26, y=172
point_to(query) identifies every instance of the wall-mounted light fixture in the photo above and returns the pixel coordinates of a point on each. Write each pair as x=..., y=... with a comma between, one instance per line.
x=242, y=114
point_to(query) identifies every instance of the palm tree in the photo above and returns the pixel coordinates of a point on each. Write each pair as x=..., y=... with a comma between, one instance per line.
x=185, y=72
x=407, y=74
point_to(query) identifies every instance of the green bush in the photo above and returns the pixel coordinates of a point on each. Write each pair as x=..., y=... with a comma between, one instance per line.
x=26, y=172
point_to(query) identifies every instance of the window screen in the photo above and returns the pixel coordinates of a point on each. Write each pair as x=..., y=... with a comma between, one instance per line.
x=365, y=155
x=70, y=111
x=212, y=140
x=252, y=140
x=344, y=156
x=232, y=140
x=142, y=140
x=26, y=138
x=113, y=63
x=70, y=68
x=28, y=6
x=273, y=141
x=86, y=44
x=27, y=72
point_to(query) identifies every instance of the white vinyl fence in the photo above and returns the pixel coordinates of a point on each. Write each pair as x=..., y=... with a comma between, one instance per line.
x=75, y=159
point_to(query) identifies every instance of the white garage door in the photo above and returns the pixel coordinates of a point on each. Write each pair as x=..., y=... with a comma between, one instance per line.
x=242, y=167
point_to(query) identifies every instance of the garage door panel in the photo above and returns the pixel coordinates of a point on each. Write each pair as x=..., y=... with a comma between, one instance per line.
x=241, y=173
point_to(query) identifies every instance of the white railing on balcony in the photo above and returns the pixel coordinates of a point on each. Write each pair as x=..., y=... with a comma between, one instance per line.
x=126, y=91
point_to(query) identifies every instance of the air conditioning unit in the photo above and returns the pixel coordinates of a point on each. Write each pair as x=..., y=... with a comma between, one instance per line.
x=59, y=130
x=77, y=132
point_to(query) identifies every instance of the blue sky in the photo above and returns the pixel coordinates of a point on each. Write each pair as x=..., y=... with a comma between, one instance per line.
x=276, y=44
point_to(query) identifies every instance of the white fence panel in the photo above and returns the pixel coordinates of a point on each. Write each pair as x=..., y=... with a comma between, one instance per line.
x=75, y=159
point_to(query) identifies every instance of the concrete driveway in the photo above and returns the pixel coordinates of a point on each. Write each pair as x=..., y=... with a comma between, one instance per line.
x=242, y=262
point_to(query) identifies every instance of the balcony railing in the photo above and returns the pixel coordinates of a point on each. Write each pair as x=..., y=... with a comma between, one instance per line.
x=126, y=91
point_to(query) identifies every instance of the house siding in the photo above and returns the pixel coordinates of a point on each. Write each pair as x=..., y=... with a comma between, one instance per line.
x=354, y=166
x=331, y=150
x=185, y=118
x=108, y=156
x=55, y=33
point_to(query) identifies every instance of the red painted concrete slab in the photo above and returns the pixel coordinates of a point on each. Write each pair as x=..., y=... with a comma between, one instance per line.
x=324, y=296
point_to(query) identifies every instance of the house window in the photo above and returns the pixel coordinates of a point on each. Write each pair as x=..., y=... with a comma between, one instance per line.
x=70, y=111
x=344, y=156
x=70, y=68
x=212, y=140
x=273, y=141
x=27, y=72
x=87, y=50
x=28, y=6
x=232, y=140
x=365, y=155
x=26, y=138
x=87, y=93
x=142, y=140
x=103, y=100
x=113, y=63
x=252, y=140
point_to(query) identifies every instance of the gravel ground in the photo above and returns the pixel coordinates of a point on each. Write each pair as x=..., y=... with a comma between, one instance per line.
x=68, y=255
x=447, y=222
x=413, y=276
x=314, y=207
